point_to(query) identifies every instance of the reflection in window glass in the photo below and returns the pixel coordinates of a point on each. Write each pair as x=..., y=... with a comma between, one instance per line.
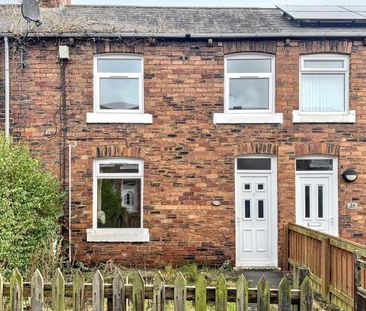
x=248, y=65
x=307, y=201
x=254, y=164
x=119, y=203
x=119, y=93
x=248, y=93
x=323, y=63
x=119, y=65
x=314, y=165
x=114, y=168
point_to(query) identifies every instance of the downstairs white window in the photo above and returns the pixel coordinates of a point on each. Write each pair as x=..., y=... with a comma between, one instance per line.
x=118, y=201
x=324, y=90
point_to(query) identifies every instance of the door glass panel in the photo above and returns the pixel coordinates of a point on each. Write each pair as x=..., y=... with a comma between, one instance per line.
x=314, y=165
x=260, y=209
x=307, y=201
x=246, y=186
x=247, y=209
x=254, y=164
x=260, y=187
x=320, y=202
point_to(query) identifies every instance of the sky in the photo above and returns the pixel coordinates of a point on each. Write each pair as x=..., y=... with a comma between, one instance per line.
x=234, y=3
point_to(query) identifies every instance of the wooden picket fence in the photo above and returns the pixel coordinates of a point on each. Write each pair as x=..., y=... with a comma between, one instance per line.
x=113, y=296
x=337, y=267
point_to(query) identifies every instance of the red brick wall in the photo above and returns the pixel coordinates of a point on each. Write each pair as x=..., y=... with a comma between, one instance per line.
x=189, y=161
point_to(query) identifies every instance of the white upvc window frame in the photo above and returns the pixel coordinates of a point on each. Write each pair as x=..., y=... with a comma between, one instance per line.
x=117, y=115
x=249, y=115
x=117, y=234
x=346, y=116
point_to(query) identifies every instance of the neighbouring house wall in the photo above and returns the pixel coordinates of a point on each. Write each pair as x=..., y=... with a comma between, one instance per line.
x=189, y=161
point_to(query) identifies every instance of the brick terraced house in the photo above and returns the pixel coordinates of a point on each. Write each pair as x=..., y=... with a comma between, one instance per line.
x=192, y=134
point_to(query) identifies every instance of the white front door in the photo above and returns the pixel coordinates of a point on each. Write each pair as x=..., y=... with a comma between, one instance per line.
x=256, y=217
x=316, y=195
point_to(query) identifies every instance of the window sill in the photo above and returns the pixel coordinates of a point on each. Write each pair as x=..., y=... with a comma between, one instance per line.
x=238, y=118
x=299, y=117
x=117, y=235
x=143, y=118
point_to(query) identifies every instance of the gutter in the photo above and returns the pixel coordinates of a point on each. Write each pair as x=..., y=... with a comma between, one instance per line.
x=7, y=87
x=249, y=35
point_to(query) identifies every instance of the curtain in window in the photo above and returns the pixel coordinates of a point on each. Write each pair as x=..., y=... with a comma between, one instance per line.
x=322, y=93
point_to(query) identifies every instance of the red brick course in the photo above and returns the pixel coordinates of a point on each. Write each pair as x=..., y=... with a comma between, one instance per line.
x=189, y=161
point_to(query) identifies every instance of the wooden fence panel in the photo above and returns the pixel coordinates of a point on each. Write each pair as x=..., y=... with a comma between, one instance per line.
x=180, y=293
x=284, y=295
x=221, y=294
x=159, y=292
x=263, y=295
x=58, y=291
x=37, y=289
x=119, y=292
x=138, y=292
x=98, y=291
x=201, y=294
x=16, y=291
x=78, y=292
x=242, y=295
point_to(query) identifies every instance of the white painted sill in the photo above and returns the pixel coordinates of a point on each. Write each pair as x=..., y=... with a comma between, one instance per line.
x=299, y=117
x=142, y=118
x=242, y=118
x=117, y=235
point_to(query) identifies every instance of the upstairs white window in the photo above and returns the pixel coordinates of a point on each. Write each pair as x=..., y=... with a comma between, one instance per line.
x=324, y=90
x=118, y=201
x=118, y=90
x=249, y=90
x=249, y=84
x=324, y=83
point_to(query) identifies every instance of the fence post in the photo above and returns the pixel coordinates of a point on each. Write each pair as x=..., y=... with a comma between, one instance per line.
x=58, y=291
x=242, y=294
x=119, y=292
x=159, y=292
x=201, y=294
x=16, y=291
x=221, y=294
x=263, y=295
x=37, y=287
x=78, y=291
x=286, y=247
x=356, y=279
x=138, y=292
x=180, y=293
x=284, y=295
x=98, y=291
x=325, y=268
x=306, y=295
x=1, y=292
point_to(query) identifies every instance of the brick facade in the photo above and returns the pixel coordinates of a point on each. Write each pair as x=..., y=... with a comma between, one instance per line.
x=189, y=161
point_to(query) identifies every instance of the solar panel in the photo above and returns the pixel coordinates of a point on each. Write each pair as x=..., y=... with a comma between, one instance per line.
x=325, y=13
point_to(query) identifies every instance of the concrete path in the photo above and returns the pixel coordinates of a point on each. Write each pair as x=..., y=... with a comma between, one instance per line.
x=253, y=276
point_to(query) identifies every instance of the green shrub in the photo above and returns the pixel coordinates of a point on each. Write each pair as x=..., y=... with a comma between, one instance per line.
x=30, y=205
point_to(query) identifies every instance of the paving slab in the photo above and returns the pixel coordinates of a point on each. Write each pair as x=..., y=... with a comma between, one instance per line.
x=253, y=276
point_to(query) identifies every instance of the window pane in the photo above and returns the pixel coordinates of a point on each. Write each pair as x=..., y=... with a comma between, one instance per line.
x=118, y=168
x=248, y=93
x=119, y=65
x=247, y=209
x=119, y=203
x=248, y=65
x=119, y=93
x=307, y=201
x=260, y=209
x=314, y=165
x=322, y=93
x=328, y=63
x=320, y=201
x=254, y=164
